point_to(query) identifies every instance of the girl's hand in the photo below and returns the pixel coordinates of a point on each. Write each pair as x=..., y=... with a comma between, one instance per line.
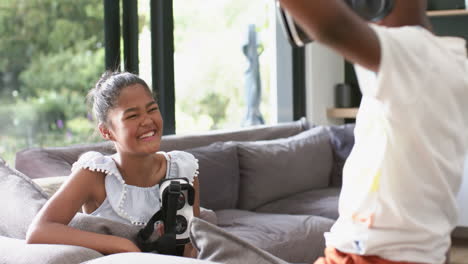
x=190, y=251
x=160, y=228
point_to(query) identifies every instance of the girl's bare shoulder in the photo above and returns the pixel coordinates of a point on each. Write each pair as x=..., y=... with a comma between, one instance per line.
x=90, y=184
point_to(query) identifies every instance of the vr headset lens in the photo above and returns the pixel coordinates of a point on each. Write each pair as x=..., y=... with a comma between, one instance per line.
x=181, y=225
x=181, y=201
x=370, y=10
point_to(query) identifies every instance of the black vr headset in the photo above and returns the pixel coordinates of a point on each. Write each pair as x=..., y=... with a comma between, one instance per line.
x=177, y=197
x=370, y=10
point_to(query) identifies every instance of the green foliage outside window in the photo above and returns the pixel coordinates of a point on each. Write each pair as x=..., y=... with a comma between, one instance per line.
x=51, y=53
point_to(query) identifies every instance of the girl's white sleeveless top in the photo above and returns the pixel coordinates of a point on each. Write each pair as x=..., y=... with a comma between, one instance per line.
x=128, y=203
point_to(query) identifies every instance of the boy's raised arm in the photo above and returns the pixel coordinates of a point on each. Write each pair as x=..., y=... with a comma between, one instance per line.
x=333, y=24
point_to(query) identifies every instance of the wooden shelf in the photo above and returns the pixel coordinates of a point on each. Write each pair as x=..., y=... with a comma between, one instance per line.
x=342, y=112
x=454, y=12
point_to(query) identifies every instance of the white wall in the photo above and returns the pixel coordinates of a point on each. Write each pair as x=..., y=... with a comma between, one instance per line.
x=324, y=69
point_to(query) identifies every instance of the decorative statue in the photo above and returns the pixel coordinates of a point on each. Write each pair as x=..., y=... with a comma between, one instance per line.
x=252, y=83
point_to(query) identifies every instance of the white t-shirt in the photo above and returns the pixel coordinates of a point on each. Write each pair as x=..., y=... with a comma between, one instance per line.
x=400, y=181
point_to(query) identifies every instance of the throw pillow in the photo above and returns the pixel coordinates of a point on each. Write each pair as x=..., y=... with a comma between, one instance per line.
x=50, y=185
x=218, y=175
x=342, y=141
x=21, y=199
x=216, y=245
x=274, y=169
x=55, y=161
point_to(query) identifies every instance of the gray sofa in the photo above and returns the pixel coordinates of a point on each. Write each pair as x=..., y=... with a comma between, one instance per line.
x=275, y=187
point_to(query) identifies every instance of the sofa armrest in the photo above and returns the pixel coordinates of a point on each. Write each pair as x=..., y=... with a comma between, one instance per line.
x=17, y=251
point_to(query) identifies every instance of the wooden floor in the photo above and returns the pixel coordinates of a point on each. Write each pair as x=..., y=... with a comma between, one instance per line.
x=459, y=251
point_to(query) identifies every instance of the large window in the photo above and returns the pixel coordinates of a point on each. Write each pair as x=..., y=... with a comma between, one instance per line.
x=51, y=53
x=210, y=65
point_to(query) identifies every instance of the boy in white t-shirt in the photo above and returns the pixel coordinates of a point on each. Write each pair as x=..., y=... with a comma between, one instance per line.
x=400, y=181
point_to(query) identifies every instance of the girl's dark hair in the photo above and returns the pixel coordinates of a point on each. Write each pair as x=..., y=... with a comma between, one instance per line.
x=104, y=95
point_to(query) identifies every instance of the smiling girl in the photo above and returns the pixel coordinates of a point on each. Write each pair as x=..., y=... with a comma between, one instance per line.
x=123, y=187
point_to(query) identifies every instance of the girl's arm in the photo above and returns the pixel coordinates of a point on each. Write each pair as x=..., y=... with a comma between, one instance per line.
x=334, y=24
x=50, y=226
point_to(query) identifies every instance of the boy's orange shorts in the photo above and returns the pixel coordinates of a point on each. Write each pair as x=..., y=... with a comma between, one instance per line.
x=333, y=256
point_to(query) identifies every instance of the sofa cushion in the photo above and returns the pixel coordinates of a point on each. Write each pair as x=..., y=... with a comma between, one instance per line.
x=214, y=244
x=274, y=169
x=218, y=175
x=293, y=238
x=18, y=252
x=261, y=132
x=322, y=202
x=20, y=202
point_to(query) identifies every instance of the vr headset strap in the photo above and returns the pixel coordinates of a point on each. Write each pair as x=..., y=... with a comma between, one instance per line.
x=173, y=196
x=146, y=231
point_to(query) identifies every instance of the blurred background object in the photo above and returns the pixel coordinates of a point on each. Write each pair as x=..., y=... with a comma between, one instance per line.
x=252, y=83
